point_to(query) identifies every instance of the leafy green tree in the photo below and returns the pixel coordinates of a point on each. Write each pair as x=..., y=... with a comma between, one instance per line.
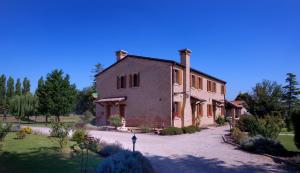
x=2, y=93
x=290, y=97
x=42, y=99
x=10, y=88
x=265, y=98
x=85, y=101
x=59, y=93
x=18, y=88
x=23, y=106
x=26, y=86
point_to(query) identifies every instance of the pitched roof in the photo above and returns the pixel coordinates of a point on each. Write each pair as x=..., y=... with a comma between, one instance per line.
x=162, y=60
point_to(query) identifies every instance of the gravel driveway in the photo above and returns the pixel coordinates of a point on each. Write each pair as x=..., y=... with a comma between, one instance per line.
x=195, y=153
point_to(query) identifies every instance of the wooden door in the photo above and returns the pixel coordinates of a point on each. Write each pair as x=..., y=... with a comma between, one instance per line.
x=122, y=111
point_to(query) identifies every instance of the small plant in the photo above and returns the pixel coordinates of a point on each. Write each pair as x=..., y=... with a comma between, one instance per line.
x=220, y=121
x=171, y=131
x=4, y=130
x=262, y=145
x=27, y=130
x=21, y=134
x=61, y=133
x=125, y=161
x=56, y=127
x=115, y=121
x=110, y=149
x=238, y=136
x=190, y=129
x=79, y=136
x=94, y=144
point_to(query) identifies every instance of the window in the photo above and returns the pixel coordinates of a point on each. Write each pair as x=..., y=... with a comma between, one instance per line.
x=136, y=80
x=121, y=82
x=209, y=110
x=177, y=109
x=214, y=87
x=200, y=110
x=200, y=83
x=193, y=81
x=208, y=85
x=223, y=89
x=177, y=76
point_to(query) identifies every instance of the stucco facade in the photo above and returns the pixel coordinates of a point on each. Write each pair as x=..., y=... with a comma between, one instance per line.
x=161, y=95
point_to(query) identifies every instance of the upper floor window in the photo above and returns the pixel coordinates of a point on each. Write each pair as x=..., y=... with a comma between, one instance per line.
x=200, y=81
x=211, y=86
x=121, y=82
x=223, y=89
x=193, y=82
x=177, y=76
x=134, y=80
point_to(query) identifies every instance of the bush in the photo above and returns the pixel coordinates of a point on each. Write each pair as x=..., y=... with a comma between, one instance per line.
x=21, y=134
x=79, y=136
x=262, y=145
x=56, y=127
x=171, y=131
x=125, y=161
x=190, y=129
x=61, y=131
x=247, y=124
x=110, y=149
x=269, y=127
x=146, y=130
x=94, y=144
x=115, y=121
x=4, y=130
x=238, y=136
x=220, y=121
x=27, y=130
x=296, y=124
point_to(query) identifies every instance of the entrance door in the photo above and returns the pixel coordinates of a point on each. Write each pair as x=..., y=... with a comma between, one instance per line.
x=122, y=111
x=194, y=114
x=214, y=111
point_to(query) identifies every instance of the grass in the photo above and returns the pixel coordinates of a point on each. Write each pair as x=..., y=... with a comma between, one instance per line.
x=37, y=153
x=288, y=142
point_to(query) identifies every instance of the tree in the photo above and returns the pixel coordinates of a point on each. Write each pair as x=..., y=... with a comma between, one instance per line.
x=85, y=101
x=23, y=106
x=2, y=93
x=42, y=99
x=59, y=93
x=10, y=88
x=290, y=97
x=18, y=88
x=265, y=98
x=26, y=86
x=296, y=122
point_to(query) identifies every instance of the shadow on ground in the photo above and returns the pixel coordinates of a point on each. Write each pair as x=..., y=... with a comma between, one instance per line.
x=192, y=164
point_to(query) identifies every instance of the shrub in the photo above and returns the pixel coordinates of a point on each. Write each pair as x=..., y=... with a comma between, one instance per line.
x=56, y=127
x=61, y=131
x=110, y=149
x=27, y=130
x=94, y=144
x=146, y=130
x=21, y=134
x=220, y=121
x=262, y=145
x=171, y=131
x=247, y=124
x=190, y=129
x=296, y=124
x=87, y=117
x=79, y=136
x=238, y=136
x=115, y=121
x=125, y=161
x=4, y=130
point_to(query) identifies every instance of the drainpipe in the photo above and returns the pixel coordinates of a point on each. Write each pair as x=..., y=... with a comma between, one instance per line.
x=172, y=96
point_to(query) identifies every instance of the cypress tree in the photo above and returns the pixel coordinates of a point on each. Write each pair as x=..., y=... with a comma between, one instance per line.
x=10, y=88
x=26, y=86
x=2, y=87
x=18, y=87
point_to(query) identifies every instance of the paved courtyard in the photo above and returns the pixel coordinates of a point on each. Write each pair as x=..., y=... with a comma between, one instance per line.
x=195, y=153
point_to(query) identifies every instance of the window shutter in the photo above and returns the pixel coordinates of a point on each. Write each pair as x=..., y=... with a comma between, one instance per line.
x=208, y=107
x=197, y=82
x=125, y=81
x=130, y=81
x=201, y=83
x=139, y=80
x=179, y=109
x=118, y=82
x=180, y=80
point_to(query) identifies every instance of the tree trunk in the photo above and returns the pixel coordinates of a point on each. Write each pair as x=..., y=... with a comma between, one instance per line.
x=46, y=120
x=58, y=118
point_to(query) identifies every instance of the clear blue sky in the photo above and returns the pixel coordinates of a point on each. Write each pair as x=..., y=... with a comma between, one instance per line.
x=241, y=42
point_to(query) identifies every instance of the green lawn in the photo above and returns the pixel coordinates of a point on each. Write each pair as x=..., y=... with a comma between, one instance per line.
x=37, y=153
x=288, y=142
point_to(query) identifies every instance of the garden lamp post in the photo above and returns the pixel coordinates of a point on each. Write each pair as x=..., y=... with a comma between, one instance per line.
x=134, y=139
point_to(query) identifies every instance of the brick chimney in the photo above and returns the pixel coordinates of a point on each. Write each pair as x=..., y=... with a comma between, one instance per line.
x=185, y=55
x=120, y=54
